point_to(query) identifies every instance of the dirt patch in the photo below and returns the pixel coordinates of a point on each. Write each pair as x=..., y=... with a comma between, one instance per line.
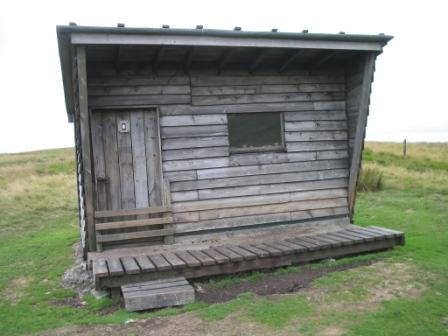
x=78, y=277
x=14, y=292
x=271, y=283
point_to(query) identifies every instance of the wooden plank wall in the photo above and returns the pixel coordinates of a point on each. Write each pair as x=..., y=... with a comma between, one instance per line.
x=212, y=190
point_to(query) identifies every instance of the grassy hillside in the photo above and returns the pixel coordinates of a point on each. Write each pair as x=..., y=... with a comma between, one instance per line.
x=405, y=293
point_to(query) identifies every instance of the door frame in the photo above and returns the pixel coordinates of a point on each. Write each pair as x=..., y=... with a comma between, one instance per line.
x=129, y=108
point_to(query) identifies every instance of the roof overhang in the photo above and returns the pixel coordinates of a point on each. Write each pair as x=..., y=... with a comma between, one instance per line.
x=70, y=36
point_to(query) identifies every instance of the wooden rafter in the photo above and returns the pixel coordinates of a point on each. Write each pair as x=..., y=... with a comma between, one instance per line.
x=322, y=59
x=158, y=57
x=224, y=59
x=261, y=54
x=290, y=59
x=188, y=59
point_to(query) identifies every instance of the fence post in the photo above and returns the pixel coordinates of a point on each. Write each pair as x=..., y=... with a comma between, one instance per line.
x=404, y=148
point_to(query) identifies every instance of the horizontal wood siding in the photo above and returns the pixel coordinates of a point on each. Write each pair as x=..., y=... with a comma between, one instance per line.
x=213, y=191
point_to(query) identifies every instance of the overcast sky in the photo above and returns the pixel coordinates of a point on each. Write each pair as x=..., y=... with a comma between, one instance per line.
x=408, y=98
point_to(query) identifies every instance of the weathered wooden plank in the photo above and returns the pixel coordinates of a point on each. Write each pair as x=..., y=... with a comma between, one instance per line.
x=115, y=267
x=193, y=131
x=202, y=257
x=259, y=252
x=344, y=240
x=348, y=236
x=315, y=136
x=316, y=146
x=271, y=168
x=134, y=288
x=98, y=160
x=84, y=135
x=197, y=142
x=279, y=157
x=133, y=223
x=296, y=248
x=247, y=255
x=181, y=175
x=263, y=80
x=124, y=90
x=261, y=89
x=158, y=298
x=363, y=110
x=130, y=265
x=160, y=262
x=193, y=120
x=188, y=259
x=113, y=186
x=267, y=98
x=182, y=196
x=271, y=250
x=271, y=189
x=132, y=100
x=218, y=257
x=138, y=80
x=125, y=162
x=132, y=212
x=135, y=235
x=285, y=249
x=233, y=222
x=195, y=153
x=309, y=246
x=145, y=264
x=153, y=157
x=274, y=208
x=99, y=268
x=195, y=164
x=301, y=126
x=255, y=180
x=233, y=256
x=174, y=260
x=312, y=107
x=139, y=159
x=259, y=200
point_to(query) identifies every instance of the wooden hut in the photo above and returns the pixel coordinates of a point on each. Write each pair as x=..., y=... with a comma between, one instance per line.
x=203, y=152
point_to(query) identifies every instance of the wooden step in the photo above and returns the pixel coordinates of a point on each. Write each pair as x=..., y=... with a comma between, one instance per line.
x=132, y=212
x=134, y=223
x=157, y=294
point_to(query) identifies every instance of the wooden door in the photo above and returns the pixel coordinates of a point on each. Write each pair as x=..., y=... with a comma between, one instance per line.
x=127, y=159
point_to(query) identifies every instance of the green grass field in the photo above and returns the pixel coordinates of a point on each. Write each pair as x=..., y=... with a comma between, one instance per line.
x=405, y=292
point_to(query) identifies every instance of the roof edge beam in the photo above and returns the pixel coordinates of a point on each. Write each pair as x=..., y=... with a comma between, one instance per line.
x=218, y=41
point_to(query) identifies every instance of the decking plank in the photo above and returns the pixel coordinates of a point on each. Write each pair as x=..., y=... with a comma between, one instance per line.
x=99, y=268
x=218, y=257
x=190, y=260
x=174, y=260
x=233, y=256
x=145, y=264
x=301, y=242
x=382, y=232
x=295, y=247
x=366, y=234
x=260, y=253
x=202, y=257
x=285, y=249
x=345, y=235
x=272, y=250
x=130, y=265
x=115, y=267
x=312, y=244
x=326, y=239
x=160, y=262
x=344, y=240
x=247, y=255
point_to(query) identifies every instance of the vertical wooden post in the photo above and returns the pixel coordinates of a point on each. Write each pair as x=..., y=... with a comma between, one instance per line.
x=404, y=148
x=84, y=123
x=363, y=110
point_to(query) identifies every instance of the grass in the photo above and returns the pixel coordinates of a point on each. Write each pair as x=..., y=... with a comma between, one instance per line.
x=39, y=225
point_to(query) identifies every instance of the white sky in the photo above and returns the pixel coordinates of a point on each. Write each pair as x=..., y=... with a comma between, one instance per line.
x=408, y=98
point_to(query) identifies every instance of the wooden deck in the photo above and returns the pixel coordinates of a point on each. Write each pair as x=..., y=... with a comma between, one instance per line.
x=114, y=271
